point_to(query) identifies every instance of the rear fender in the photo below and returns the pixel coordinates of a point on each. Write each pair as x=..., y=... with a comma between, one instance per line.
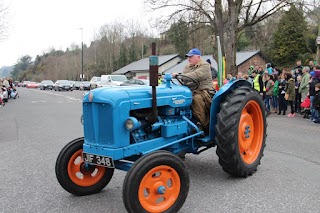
x=218, y=98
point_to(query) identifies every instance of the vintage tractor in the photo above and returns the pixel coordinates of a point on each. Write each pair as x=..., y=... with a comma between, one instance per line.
x=146, y=131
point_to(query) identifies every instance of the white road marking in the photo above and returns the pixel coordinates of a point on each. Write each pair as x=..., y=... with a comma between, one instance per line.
x=56, y=94
x=38, y=101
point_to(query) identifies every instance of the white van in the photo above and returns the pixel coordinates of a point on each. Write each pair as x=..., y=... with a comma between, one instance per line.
x=113, y=80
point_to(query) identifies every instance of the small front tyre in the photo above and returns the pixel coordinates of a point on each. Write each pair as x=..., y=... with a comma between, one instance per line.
x=77, y=177
x=157, y=182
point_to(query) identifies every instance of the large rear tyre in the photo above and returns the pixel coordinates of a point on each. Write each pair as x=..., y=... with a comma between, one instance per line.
x=241, y=132
x=77, y=177
x=157, y=182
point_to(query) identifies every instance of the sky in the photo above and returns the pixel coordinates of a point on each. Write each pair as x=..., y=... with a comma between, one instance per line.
x=35, y=26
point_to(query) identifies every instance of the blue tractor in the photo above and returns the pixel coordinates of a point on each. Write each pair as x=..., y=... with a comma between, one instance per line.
x=147, y=130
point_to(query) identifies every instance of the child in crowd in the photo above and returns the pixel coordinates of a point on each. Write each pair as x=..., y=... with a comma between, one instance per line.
x=306, y=108
x=316, y=103
x=269, y=92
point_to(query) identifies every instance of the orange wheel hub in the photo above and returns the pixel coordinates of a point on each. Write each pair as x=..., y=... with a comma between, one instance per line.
x=250, y=132
x=159, y=189
x=84, y=174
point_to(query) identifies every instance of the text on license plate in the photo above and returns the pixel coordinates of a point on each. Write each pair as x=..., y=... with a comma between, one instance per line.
x=98, y=160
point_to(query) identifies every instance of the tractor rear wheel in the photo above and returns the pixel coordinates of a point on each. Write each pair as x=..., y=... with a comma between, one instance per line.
x=157, y=182
x=241, y=132
x=77, y=177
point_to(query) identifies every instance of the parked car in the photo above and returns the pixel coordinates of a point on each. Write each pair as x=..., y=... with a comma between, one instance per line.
x=32, y=85
x=113, y=80
x=135, y=82
x=95, y=82
x=76, y=85
x=85, y=85
x=24, y=83
x=16, y=83
x=46, y=84
x=62, y=85
x=72, y=83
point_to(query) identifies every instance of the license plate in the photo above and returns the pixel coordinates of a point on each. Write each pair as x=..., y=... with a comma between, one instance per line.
x=98, y=160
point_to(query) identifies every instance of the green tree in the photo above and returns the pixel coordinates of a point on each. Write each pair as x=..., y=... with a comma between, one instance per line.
x=289, y=38
x=178, y=36
x=123, y=59
x=132, y=51
x=243, y=42
x=21, y=65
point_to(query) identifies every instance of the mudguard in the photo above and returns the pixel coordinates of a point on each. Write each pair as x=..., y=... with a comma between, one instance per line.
x=218, y=98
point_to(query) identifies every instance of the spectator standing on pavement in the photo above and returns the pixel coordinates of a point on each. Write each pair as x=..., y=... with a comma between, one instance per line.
x=304, y=85
x=247, y=78
x=275, y=95
x=257, y=82
x=251, y=68
x=269, y=68
x=214, y=72
x=316, y=104
x=311, y=65
x=314, y=80
x=298, y=66
x=290, y=94
x=269, y=93
x=282, y=91
x=298, y=95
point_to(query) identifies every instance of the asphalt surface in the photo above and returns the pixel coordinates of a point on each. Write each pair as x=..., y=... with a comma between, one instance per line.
x=35, y=127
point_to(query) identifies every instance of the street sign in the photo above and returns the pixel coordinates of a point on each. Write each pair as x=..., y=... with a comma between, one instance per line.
x=81, y=76
x=318, y=40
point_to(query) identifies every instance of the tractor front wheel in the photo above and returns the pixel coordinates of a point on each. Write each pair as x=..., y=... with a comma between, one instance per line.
x=241, y=132
x=78, y=177
x=157, y=182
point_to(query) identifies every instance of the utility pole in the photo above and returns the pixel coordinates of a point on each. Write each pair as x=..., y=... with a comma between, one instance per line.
x=81, y=54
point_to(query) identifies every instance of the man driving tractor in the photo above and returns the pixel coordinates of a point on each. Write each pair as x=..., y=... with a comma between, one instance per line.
x=200, y=71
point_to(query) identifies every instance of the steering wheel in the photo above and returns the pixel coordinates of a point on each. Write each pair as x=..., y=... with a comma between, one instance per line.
x=187, y=81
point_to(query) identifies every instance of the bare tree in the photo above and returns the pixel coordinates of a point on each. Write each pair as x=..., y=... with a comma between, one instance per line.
x=3, y=20
x=226, y=17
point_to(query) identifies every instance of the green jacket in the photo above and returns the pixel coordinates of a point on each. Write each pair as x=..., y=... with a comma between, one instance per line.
x=304, y=83
x=269, y=88
x=290, y=89
x=276, y=88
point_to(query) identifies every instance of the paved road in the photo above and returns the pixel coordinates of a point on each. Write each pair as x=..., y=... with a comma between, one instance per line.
x=35, y=127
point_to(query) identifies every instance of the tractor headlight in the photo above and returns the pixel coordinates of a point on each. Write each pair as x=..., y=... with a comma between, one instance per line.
x=132, y=124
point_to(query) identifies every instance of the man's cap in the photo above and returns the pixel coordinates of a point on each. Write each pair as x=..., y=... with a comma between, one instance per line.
x=251, y=67
x=192, y=52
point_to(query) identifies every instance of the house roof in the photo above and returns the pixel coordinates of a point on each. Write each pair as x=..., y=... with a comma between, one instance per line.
x=241, y=57
x=143, y=64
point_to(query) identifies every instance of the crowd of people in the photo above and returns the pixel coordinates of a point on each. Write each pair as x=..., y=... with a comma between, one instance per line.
x=296, y=91
x=7, y=91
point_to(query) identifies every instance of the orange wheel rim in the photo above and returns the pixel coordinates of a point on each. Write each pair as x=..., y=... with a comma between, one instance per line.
x=159, y=189
x=81, y=175
x=250, y=132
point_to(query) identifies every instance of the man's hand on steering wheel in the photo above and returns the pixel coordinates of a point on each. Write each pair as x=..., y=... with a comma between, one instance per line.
x=185, y=81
